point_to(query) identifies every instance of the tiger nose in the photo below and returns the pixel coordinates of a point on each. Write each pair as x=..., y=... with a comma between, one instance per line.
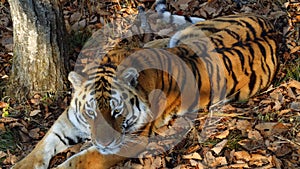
x=105, y=142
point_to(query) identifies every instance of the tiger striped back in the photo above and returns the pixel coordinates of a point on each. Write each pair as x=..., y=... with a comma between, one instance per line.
x=246, y=49
x=242, y=47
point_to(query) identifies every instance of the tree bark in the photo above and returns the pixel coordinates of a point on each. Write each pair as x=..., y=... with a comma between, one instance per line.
x=40, y=62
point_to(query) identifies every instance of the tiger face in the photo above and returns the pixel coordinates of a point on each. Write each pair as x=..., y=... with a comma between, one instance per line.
x=110, y=106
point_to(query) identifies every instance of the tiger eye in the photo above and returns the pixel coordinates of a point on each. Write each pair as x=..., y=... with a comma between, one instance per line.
x=116, y=111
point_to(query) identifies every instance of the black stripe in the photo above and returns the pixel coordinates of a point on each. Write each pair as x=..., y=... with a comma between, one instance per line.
x=71, y=141
x=241, y=58
x=79, y=118
x=227, y=63
x=79, y=105
x=273, y=58
x=233, y=22
x=250, y=27
x=252, y=81
x=137, y=103
x=102, y=66
x=263, y=58
x=132, y=101
x=194, y=64
x=171, y=82
x=158, y=60
x=232, y=33
x=99, y=72
x=60, y=139
x=212, y=30
x=188, y=19
x=237, y=95
x=217, y=42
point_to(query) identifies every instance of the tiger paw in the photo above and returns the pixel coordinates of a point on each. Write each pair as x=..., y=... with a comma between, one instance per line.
x=30, y=163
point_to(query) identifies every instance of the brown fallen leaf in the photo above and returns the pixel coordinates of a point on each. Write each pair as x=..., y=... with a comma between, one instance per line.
x=215, y=161
x=223, y=135
x=276, y=95
x=228, y=109
x=152, y=162
x=243, y=126
x=291, y=93
x=24, y=137
x=33, y=133
x=254, y=135
x=283, y=150
x=277, y=163
x=259, y=160
x=265, y=128
x=200, y=166
x=267, y=109
x=192, y=149
x=283, y=112
x=219, y=147
x=251, y=145
x=2, y=154
x=3, y=105
x=209, y=158
x=242, y=155
x=295, y=106
x=10, y=159
x=221, y=161
x=277, y=105
x=196, y=164
x=76, y=16
x=182, y=4
x=34, y=113
x=294, y=83
x=279, y=128
x=157, y=162
x=35, y=101
x=2, y=127
x=195, y=156
x=239, y=165
x=298, y=139
x=297, y=48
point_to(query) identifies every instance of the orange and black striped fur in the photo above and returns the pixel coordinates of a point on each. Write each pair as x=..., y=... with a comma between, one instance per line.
x=232, y=57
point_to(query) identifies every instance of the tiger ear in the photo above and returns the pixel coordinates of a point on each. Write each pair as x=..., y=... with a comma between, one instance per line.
x=130, y=76
x=75, y=79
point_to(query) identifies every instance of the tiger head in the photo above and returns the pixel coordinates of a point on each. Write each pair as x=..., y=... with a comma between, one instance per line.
x=109, y=105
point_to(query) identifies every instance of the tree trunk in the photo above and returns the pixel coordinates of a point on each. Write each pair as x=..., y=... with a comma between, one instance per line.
x=39, y=63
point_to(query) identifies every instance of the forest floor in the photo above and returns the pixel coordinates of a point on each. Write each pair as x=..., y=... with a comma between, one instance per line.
x=263, y=132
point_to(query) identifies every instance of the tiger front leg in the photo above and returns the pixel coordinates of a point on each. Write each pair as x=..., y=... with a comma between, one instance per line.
x=62, y=134
x=91, y=159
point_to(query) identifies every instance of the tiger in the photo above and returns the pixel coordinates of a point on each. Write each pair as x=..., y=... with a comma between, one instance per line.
x=227, y=58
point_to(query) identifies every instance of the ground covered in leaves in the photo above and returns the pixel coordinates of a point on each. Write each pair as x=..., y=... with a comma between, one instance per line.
x=263, y=132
